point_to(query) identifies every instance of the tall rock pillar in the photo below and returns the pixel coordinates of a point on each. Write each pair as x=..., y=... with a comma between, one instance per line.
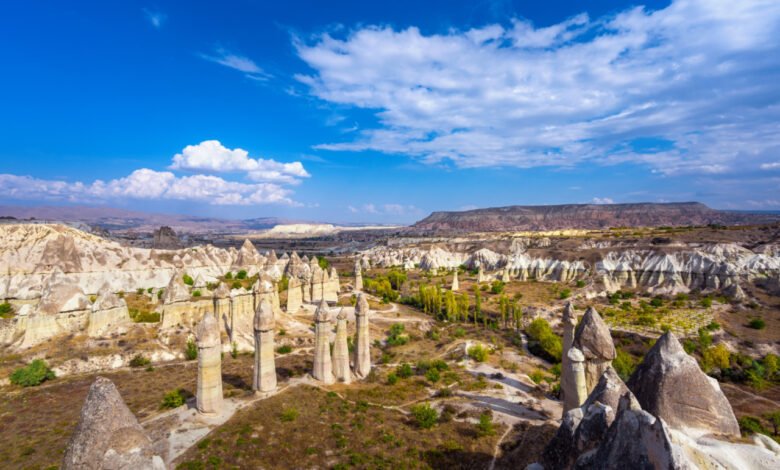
x=341, y=350
x=568, y=388
x=455, y=283
x=362, y=339
x=575, y=369
x=264, y=379
x=209, y=396
x=358, y=276
x=323, y=367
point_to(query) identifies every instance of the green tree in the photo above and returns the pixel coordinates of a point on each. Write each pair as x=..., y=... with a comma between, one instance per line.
x=477, y=303
x=33, y=374
x=425, y=416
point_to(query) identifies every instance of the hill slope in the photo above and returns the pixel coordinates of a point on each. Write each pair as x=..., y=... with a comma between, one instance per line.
x=584, y=216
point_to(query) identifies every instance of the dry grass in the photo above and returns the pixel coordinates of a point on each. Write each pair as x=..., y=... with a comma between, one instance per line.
x=329, y=432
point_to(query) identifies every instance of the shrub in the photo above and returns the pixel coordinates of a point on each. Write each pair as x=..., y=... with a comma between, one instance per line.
x=173, y=399
x=497, y=287
x=706, y=302
x=424, y=415
x=6, y=310
x=580, y=284
x=188, y=280
x=228, y=275
x=139, y=291
x=545, y=343
x=160, y=293
x=624, y=364
x=646, y=320
x=241, y=275
x=396, y=336
x=478, y=353
x=284, y=349
x=485, y=425
x=139, y=361
x=716, y=356
x=33, y=374
x=751, y=425
x=536, y=376
x=459, y=332
x=237, y=285
x=196, y=293
x=234, y=350
x=288, y=415
x=392, y=378
x=324, y=264
x=757, y=324
x=144, y=316
x=404, y=370
x=657, y=302
x=433, y=375
x=191, y=350
x=564, y=294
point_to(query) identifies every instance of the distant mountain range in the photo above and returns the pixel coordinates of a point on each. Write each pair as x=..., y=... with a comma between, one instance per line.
x=585, y=216
x=125, y=220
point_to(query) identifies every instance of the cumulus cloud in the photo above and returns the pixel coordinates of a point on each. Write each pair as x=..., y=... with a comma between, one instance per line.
x=770, y=166
x=147, y=184
x=698, y=76
x=238, y=62
x=212, y=156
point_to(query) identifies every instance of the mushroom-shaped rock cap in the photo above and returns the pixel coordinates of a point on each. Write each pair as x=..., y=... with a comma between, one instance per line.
x=592, y=337
x=104, y=412
x=207, y=332
x=569, y=317
x=361, y=307
x=222, y=292
x=342, y=314
x=322, y=314
x=575, y=355
x=669, y=384
x=264, y=316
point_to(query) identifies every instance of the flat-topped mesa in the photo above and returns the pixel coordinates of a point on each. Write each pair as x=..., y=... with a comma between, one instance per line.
x=323, y=366
x=593, y=339
x=108, y=435
x=669, y=384
x=568, y=388
x=358, y=276
x=455, y=283
x=294, y=295
x=209, y=395
x=341, y=350
x=265, y=364
x=109, y=312
x=362, y=361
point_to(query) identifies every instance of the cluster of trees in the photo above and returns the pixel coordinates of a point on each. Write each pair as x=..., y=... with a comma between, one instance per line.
x=387, y=286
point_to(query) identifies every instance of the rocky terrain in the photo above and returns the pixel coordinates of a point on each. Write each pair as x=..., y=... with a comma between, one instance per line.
x=583, y=216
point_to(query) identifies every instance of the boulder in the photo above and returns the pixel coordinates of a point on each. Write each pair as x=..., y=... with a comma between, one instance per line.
x=108, y=435
x=670, y=385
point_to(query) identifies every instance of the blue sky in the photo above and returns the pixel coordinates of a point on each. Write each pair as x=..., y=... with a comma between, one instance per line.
x=386, y=111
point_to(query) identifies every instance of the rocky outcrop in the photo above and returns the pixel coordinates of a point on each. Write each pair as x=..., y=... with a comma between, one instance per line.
x=264, y=378
x=108, y=436
x=209, y=392
x=455, y=284
x=165, y=238
x=109, y=314
x=248, y=259
x=341, y=350
x=669, y=384
x=176, y=299
x=323, y=366
x=638, y=438
x=362, y=360
x=592, y=337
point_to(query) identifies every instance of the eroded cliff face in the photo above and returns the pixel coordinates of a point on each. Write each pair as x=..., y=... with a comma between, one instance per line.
x=671, y=269
x=62, y=280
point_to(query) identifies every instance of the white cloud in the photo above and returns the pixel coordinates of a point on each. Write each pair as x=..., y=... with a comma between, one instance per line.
x=385, y=209
x=155, y=18
x=468, y=207
x=238, y=62
x=145, y=184
x=770, y=166
x=212, y=156
x=697, y=78
x=602, y=200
